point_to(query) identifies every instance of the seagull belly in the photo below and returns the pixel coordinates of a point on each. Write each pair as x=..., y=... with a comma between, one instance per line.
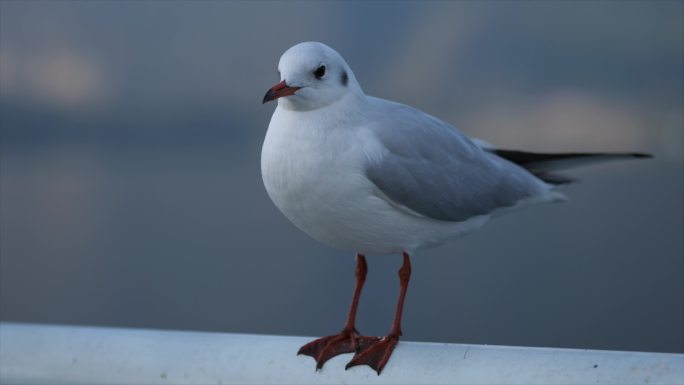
x=319, y=184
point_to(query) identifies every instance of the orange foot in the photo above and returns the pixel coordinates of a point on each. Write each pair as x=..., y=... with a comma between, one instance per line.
x=325, y=348
x=376, y=354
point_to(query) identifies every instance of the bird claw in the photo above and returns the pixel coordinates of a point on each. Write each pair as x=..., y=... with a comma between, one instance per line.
x=325, y=348
x=375, y=354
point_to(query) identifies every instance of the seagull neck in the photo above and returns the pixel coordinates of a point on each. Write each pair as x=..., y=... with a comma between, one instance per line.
x=350, y=102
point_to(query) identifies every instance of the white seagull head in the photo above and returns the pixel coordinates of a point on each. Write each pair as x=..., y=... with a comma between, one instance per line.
x=312, y=76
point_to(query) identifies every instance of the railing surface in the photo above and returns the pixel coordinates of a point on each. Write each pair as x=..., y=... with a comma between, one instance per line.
x=42, y=354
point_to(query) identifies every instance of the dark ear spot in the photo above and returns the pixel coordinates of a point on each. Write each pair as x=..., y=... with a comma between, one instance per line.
x=344, y=78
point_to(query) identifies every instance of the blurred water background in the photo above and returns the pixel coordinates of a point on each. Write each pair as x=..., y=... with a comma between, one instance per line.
x=131, y=195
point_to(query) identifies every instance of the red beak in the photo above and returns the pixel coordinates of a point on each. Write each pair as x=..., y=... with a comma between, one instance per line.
x=278, y=91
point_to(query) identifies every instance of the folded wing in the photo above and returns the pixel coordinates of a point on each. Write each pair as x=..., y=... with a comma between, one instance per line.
x=433, y=170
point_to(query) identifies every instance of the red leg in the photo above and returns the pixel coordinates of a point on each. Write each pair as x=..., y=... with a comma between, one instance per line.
x=378, y=353
x=348, y=340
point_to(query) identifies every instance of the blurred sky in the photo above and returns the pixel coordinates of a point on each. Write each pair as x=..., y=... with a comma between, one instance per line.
x=131, y=195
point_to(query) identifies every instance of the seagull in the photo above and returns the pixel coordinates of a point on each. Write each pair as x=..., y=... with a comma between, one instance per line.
x=372, y=176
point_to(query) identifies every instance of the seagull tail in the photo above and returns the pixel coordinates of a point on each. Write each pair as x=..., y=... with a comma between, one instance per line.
x=544, y=165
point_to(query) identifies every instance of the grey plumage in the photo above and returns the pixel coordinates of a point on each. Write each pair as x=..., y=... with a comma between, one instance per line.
x=435, y=171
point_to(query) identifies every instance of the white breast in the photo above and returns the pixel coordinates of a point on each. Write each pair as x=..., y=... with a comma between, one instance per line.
x=313, y=175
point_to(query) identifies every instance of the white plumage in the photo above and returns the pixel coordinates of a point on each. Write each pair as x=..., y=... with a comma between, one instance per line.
x=373, y=176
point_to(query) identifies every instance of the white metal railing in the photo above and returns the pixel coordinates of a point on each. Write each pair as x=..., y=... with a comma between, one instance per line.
x=43, y=354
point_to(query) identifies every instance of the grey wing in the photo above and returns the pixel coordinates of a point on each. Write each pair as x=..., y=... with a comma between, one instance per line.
x=432, y=169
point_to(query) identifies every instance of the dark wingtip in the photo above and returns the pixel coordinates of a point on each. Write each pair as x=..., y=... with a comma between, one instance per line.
x=641, y=155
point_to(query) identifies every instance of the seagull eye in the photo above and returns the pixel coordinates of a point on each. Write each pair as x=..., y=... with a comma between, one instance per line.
x=320, y=72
